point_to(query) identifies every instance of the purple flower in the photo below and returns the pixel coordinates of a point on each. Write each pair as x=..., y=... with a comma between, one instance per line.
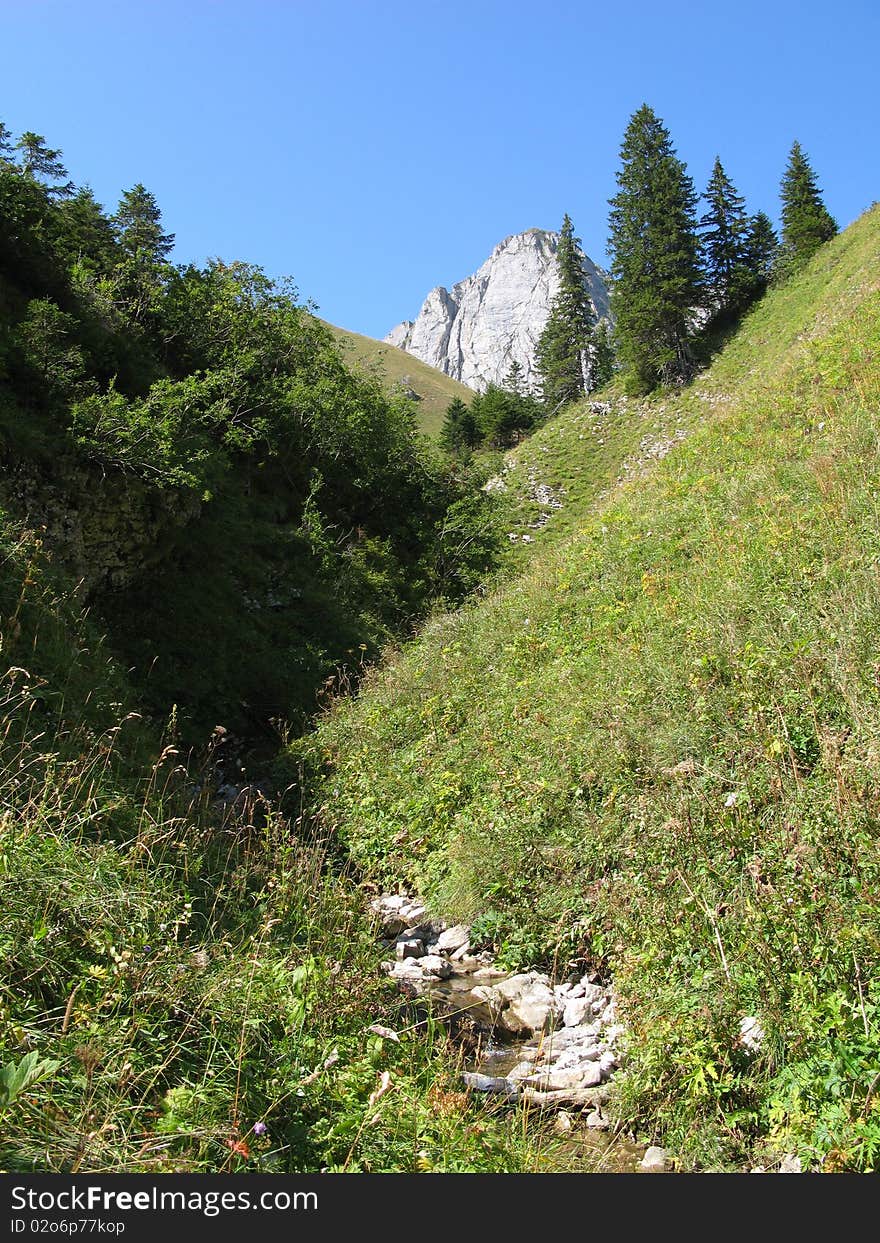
x=260, y=1128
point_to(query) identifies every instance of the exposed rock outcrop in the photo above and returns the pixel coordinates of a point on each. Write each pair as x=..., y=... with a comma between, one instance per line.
x=476, y=330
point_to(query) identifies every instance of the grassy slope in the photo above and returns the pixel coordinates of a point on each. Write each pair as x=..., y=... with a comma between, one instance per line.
x=395, y=366
x=658, y=744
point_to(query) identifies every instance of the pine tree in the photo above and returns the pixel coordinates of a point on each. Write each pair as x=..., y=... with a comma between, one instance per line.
x=806, y=223
x=37, y=161
x=762, y=249
x=514, y=381
x=139, y=227
x=144, y=247
x=563, y=352
x=724, y=246
x=459, y=429
x=604, y=356
x=6, y=147
x=655, y=255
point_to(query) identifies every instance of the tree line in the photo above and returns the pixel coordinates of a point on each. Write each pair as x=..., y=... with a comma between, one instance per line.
x=678, y=279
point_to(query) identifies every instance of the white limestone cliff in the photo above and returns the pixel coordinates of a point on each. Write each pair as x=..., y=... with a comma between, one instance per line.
x=476, y=330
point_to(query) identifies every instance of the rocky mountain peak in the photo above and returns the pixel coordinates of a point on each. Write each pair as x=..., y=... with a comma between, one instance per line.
x=476, y=330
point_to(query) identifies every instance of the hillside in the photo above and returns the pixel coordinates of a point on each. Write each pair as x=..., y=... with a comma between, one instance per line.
x=654, y=745
x=395, y=369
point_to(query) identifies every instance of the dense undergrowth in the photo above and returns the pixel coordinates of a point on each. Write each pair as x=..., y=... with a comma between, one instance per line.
x=658, y=745
x=195, y=450
x=185, y=986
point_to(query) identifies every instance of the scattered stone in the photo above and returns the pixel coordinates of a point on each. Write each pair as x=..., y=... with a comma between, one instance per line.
x=563, y=1122
x=489, y=1083
x=751, y=1034
x=453, y=938
x=434, y=965
x=385, y=1032
x=576, y=1011
x=655, y=1161
x=790, y=1164
x=596, y=1121
x=412, y=948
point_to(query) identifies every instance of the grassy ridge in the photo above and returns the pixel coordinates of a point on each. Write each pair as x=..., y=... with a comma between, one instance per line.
x=395, y=367
x=658, y=745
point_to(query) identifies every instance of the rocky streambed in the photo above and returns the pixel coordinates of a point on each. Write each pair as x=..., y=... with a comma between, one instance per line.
x=551, y=1043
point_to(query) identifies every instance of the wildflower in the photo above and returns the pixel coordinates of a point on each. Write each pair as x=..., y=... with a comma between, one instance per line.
x=260, y=1128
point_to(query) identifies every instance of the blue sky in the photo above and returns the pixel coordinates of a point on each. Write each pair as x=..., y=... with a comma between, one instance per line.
x=372, y=149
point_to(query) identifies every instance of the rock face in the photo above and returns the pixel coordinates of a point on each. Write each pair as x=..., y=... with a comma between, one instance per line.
x=476, y=330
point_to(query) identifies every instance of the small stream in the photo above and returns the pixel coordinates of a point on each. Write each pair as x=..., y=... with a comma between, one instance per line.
x=552, y=1045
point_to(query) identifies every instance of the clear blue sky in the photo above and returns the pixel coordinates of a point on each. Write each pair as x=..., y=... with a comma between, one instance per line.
x=372, y=149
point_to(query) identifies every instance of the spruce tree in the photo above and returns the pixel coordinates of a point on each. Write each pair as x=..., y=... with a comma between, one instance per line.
x=762, y=249
x=563, y=352
x=724, y=246
x=806, y=222
x=604, y=357
x=5, y=146
x=514, y=381
x=144, y=247
x=655, y=268
x=459, y=429
x=37, y=161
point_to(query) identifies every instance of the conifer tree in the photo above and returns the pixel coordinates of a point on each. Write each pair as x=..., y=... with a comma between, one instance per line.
x=806, y=222
x=604, y=357
x=563, y=352
x=144, y=247
x=459, y=429
x=724, y=246
x=654, y=246
x=762, y=248
x=5, y=145
x=37, y=161
x=514, y=381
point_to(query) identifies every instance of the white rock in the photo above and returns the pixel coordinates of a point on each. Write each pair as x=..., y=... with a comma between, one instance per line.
x=489, y=1083
x=553, y=1080
x=607, y=1064
x=474, y=331
x=576, y=1011
x=461, y=953
x=655, y=1161
x=596, y=1121
x=751, y=1034
x=411, y=948
x=453, y=938
x=436, y=967
x=791, y=1164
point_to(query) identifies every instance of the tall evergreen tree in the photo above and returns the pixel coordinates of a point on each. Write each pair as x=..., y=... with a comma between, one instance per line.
x=762, y=249
x=514, y=381
x=604, y=355
x=724, y=246
x=459, y=429
x=6, y=147
x=39, y=162
x=563, y=352
x=144, y=247
x=806, y=222
x=655, y=265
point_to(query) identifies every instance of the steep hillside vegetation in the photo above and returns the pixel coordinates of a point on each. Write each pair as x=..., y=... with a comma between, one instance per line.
x=195, y=450
x=397, y=371
x=656, y=747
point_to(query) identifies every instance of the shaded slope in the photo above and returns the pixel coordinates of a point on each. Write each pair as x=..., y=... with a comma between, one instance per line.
x=658, y=745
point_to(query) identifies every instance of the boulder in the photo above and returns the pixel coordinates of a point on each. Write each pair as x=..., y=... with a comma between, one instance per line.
x=453, y=938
